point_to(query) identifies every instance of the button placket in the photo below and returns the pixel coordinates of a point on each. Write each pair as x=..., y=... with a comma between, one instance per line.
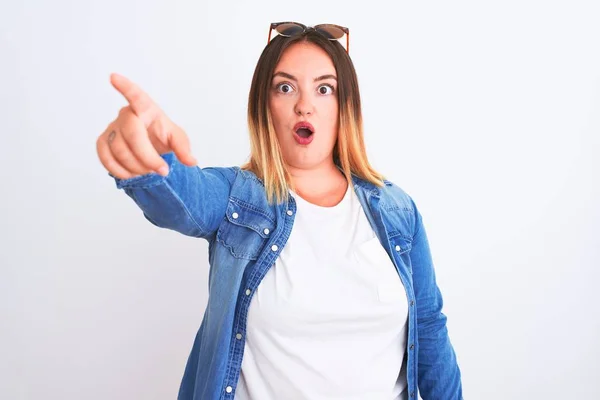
x=274, y=248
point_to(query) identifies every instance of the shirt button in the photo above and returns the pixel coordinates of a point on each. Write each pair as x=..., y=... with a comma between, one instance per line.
x=235, y=215
x=229, y=389
x=412, y=303
x=238, y=336
x=289, y=212
x=274, y=247
x=397, y=248
x=266, y=231
x=248, y=291
x=412, y=346
x=412, y=394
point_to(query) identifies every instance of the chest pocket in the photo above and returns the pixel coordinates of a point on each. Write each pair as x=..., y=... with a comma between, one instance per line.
x=245, y=230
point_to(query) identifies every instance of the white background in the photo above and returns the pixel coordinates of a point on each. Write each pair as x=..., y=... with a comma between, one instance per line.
x=486, y=113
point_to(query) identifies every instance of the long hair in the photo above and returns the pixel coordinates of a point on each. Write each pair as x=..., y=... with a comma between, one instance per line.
x=266, y=160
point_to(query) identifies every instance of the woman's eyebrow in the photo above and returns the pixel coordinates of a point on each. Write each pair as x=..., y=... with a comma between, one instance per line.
x=292, y=77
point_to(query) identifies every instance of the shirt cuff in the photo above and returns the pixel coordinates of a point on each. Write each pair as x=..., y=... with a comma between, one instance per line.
x=147, y=180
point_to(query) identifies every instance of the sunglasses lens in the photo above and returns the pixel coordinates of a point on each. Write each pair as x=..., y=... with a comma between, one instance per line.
x=330, y=31
x=289, y=29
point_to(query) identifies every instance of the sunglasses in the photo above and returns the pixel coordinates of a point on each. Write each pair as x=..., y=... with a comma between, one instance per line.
x=329, y=31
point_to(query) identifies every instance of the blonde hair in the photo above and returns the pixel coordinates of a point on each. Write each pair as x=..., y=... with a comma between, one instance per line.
x=266, y=160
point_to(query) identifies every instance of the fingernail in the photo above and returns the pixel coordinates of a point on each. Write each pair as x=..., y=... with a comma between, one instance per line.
x=164, y=170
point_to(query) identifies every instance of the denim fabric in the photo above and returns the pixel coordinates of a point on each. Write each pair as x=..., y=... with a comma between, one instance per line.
x=228, y=207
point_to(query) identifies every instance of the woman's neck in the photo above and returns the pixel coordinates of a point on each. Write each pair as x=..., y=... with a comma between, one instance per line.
x=324, y=185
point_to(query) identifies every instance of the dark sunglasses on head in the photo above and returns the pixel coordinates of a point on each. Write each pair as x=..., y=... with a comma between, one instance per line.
x=330, y=31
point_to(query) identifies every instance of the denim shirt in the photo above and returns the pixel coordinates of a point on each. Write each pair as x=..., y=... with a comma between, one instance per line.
x=228, y=207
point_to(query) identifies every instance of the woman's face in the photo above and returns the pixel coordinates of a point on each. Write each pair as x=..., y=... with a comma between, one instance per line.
x=304, y=90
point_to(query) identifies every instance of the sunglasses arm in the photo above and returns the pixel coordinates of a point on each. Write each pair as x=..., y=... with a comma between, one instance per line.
x=270, y=30
x=348, y=42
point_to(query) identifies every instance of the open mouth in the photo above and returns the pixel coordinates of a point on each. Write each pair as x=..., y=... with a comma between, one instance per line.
x=304, y=132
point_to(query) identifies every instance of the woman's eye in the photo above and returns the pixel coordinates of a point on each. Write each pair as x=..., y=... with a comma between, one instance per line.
x=326, y=89
x=284, y=88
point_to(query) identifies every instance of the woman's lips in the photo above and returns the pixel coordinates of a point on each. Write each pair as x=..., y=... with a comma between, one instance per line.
x=303, y=140
x=303, y=132
x=304, y=124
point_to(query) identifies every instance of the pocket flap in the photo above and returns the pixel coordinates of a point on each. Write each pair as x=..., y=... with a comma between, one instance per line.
x=400, y=244
x=241, y=214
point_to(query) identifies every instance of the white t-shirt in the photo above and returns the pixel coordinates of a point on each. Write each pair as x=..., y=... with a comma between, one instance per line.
x=329, y=319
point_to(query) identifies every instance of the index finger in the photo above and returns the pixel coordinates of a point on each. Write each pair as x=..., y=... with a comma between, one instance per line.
x=143, y=106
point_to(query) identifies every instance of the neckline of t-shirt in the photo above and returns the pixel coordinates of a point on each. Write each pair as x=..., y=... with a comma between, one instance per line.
x=340, y=206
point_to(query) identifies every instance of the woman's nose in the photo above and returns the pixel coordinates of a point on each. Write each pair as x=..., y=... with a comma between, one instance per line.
x=304, y=106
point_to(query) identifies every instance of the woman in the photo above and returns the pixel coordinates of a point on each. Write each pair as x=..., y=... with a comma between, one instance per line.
x=321, y=282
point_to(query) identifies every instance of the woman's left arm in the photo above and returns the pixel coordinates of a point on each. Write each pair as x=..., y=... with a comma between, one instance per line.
x=439, y=376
